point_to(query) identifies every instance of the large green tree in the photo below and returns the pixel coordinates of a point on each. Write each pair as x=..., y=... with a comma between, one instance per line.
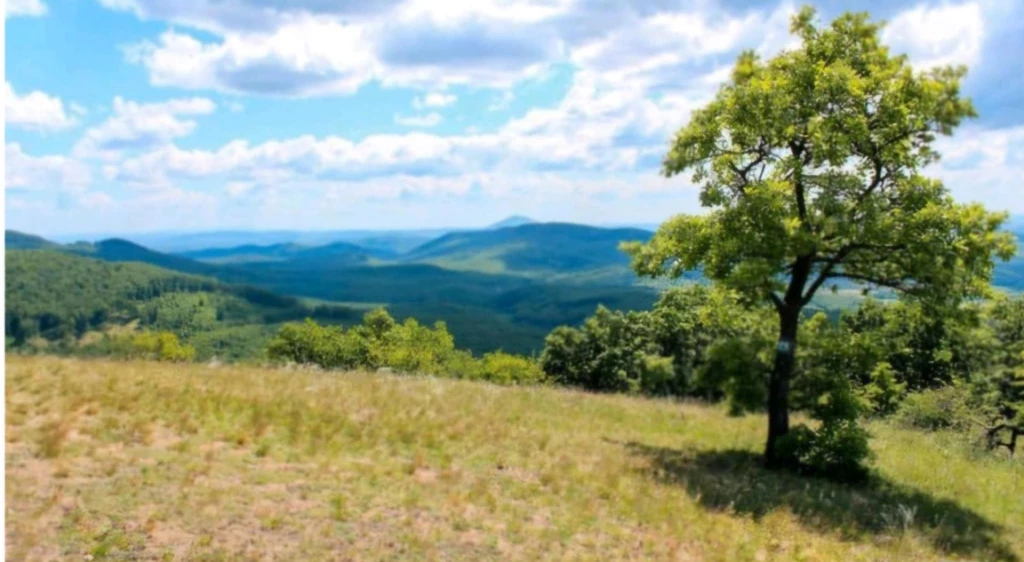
x=811, y=167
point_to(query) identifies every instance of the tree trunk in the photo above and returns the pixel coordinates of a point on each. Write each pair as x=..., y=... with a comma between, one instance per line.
x=778, y=386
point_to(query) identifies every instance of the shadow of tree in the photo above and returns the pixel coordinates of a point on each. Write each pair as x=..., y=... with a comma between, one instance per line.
x=736, y=481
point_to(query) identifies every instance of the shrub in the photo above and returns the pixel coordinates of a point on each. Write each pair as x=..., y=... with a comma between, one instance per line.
x=737, y=369
x=613, y=351
x=948, y=407
x=460, y=364
x=658, y=375
x=412, y=348
x=407, y=347
x=161, y=346
x=503, y=368
x=837, y=450
x=883, y=393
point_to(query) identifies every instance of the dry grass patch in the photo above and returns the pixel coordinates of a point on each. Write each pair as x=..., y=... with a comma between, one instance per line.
x=143, y=461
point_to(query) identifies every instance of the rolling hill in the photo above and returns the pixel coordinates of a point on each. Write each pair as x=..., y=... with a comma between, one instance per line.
x=119, y=250
x=59, y=295
x=336, y=252
x=535, y=250
x=99, y=282
x=14, y=240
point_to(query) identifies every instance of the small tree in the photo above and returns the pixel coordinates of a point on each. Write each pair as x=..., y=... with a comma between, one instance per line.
x=810, y=165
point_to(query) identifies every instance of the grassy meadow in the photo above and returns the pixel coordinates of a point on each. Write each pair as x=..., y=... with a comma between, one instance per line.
x=146, y=461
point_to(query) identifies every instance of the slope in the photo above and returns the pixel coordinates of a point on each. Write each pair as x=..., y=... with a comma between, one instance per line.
x=14, y=240
x=537, y=250
x=336, y=252
x=151, y=461
x=119, y=250
x=56, y=296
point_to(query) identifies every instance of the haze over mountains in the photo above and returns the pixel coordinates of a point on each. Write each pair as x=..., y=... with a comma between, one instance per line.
x=518, y=277
x=520, y=280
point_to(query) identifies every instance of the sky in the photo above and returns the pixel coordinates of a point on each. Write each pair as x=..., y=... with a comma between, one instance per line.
x=138, y=116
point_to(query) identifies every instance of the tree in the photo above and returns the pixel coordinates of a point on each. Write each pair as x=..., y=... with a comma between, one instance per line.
x=810, y=165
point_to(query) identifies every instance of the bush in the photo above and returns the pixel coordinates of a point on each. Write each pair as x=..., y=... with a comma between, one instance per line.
x=408, y=347
x=948, y=407
x=737, y=369
x=503, y=368
x=619, y=352
x=461, y=364
x=883, y=393
x=837, y=450
x=412, y=348
x=161, y=346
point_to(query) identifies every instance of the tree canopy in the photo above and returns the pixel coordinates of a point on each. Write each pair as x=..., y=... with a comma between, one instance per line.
x=812, y=168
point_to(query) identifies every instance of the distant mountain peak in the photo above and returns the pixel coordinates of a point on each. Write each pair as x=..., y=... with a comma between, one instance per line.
x=514, y=220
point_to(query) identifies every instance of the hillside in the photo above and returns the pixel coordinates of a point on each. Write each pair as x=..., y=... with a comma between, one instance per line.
x=336, y=252
x=540, y=249
x=86, y=289
x=244, y=254
x=146, y=461
x=14, y=240
x=118, y=250
x=57, y=295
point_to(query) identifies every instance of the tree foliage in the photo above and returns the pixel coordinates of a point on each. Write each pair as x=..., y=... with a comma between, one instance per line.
x=405, y=347
x=810, y=165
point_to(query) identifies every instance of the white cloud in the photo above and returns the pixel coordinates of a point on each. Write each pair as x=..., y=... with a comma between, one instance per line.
x=433, y=100
x=25, y=8
x=38, y=173
x=135, y=126
x=983, y=165
x=429, y=120
x=37, y=111
x=306, y=57
x=313, y=48
x=235, y=107
x=938, y=35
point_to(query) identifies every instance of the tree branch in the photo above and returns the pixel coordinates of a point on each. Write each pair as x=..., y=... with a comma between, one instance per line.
x=896, y=284
x=742, y=173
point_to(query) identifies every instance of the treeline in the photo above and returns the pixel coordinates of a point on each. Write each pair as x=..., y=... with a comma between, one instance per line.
x=381, y=342
x=929, y=368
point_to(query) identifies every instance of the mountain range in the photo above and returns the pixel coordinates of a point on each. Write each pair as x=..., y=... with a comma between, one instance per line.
x=503, y=286
x=498, y=287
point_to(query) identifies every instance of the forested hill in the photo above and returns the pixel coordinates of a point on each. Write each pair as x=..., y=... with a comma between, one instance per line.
x=118, y=250
x=57, y=295
x=534, y=248
x=14, y=240
x=337, y=252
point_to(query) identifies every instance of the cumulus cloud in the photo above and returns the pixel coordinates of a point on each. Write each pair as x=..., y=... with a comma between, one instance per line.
x=25, y=8
x=636, y=71
x=317, y=48
x=38, y=111
x=306, y=57
x=984, y=165
x=938, y=35
x=135, y=126
x=25, y=172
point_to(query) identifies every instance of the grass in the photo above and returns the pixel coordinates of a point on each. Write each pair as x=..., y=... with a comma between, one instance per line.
x=146, y=461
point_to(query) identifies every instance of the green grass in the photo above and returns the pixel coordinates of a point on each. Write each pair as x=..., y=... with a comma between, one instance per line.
x=146, y=461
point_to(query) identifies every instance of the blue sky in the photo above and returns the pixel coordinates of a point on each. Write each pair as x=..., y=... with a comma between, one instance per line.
x=152, y=115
